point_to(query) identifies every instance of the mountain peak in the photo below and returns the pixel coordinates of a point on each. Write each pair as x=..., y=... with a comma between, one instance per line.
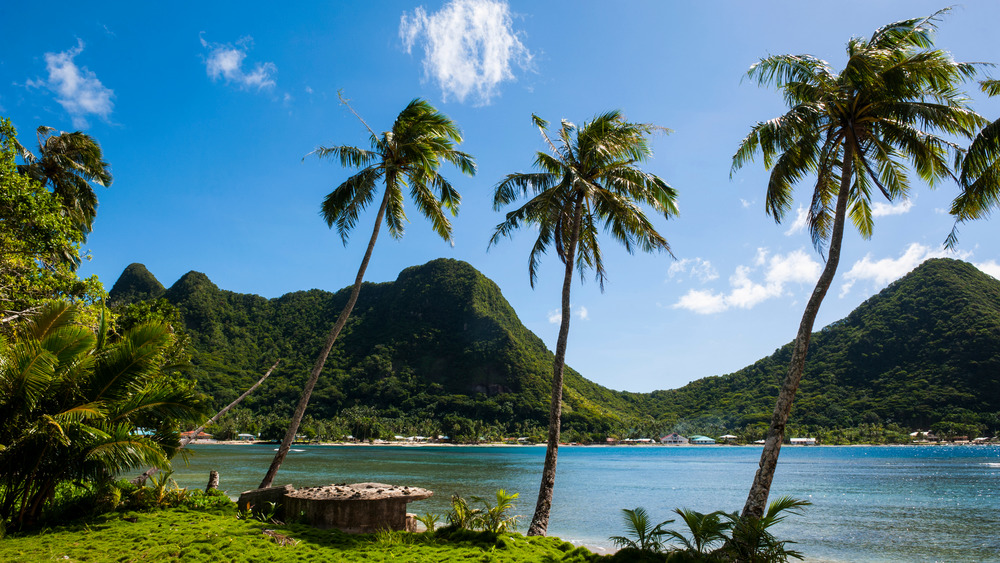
x=135, y=284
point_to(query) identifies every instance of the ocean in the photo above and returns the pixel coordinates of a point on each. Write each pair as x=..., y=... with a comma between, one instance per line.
x=869, y=503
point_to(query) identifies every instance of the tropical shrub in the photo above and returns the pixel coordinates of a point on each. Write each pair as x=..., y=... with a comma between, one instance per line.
x=642, y=535
x=72, y=403
x=491, y=518
x=747, y=539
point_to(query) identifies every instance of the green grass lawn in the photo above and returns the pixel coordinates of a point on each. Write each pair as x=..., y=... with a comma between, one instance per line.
x=181, y=534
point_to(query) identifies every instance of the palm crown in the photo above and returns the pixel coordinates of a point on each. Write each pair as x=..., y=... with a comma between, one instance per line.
x=590, y=179
x=980, y=177
x=880, y=111
x=408, y=154
x=68, y=163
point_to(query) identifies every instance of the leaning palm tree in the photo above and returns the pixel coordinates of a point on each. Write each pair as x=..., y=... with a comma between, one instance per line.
x=980, y=173
x=67, y=163
x=407, y=155
x=854, y=131
x=589, y=180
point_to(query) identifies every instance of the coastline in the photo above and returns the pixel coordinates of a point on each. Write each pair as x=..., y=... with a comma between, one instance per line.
x=403, y=444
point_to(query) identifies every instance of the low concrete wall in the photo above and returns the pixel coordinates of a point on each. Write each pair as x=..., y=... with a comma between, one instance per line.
x=350, y=516
x=258, y=500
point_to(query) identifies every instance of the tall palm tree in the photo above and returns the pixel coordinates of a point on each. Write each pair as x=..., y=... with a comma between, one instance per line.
x=407, y=155
x=980, y=173
x=855, y=131
x=589, y=180
x=67, y=163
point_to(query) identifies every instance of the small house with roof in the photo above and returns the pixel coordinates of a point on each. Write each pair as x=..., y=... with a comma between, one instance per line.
x=701, y=440
x=673, y=439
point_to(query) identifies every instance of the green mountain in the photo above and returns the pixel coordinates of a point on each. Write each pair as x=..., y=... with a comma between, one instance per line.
x=442, y=340
x=926, y=349
x=135, y=284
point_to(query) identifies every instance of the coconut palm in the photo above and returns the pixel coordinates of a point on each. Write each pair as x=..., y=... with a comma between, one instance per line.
x=67, y=163
x=980, y=173
x=409, y=154
x=590, y=180
x=71, y=401
x=854, y=131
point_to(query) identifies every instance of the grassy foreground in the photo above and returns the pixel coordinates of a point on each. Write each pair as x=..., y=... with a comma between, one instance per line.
x=182, y=534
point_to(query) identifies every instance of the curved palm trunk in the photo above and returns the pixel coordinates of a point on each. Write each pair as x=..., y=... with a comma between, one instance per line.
x=540, y=520
x=300, y=410
x=757, y=499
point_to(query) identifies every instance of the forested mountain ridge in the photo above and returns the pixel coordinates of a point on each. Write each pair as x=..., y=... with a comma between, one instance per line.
x=441, y=340
x=924, y=350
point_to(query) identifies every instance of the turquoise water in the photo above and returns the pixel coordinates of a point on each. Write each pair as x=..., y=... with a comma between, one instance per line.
x=878, y=503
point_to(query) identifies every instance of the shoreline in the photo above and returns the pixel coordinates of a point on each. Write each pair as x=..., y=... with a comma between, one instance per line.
x=403, y=444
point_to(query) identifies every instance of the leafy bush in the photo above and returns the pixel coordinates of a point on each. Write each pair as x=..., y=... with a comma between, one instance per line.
x=490, y=518
x=748, y=541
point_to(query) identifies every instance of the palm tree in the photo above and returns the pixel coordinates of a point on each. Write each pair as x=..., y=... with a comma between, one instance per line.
x=854, y=130
x=407, y=155
x=71, y=401
x=67, y=164
x=980, y=173
x=587, y=181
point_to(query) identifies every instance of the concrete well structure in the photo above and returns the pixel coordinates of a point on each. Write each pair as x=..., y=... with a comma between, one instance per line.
x=359, y=508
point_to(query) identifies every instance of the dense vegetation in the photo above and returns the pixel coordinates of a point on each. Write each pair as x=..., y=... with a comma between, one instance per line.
x=440, y=349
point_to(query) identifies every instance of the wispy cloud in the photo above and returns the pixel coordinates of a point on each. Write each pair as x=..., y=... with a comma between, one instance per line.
x=226, y=61
x=469, y=46
x=696, y=268
x=801, y=220
x=555, y=315
x=881, y=208
x=77, y=89
x=745, y=293
x=882, y=272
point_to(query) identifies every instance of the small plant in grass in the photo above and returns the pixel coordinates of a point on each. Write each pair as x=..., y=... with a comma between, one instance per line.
x=752, y=542
x=462, y=515
x=429, y=520
x=704, y=530
x=496, y=518
x=390, y=538
x=642, y=534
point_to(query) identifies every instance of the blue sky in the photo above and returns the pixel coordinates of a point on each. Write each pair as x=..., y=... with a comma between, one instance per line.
x=206, y=114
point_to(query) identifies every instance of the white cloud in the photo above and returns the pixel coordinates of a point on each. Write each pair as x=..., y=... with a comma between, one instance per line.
x=695, y=267
x=882, y=272
x=78, y=90
x=226, y=62
x=801, y=219
x=555, y=315
x=745, y=293
x=469, y=46
x=746, y=204
x=881, y=208
x=990, y=267
x=702, y=302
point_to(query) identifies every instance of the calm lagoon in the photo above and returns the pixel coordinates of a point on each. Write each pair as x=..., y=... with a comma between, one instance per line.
x=870, y=503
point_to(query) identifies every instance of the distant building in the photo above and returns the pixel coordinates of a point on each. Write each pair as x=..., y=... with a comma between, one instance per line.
x=638, y=441
x=673, y=439
x=246, y=437
x=728, y=438
x=701, y=440
x=803, y=441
